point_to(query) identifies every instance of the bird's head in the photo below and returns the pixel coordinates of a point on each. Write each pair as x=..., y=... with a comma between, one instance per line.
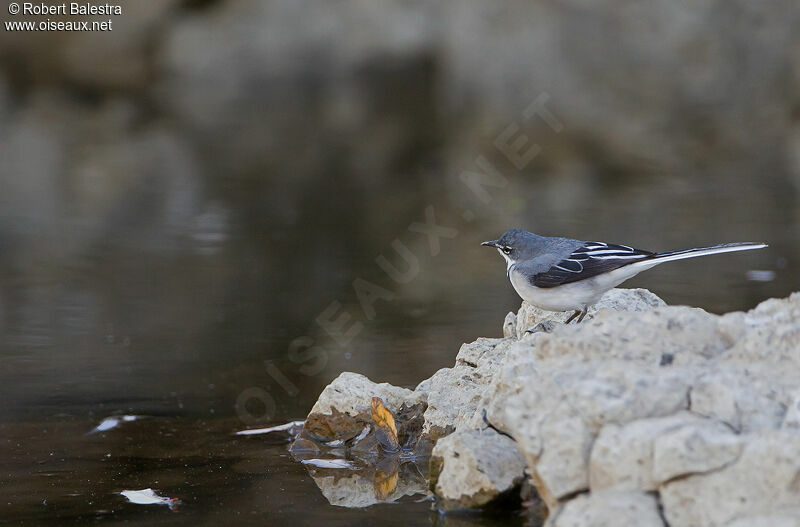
x=514, y=245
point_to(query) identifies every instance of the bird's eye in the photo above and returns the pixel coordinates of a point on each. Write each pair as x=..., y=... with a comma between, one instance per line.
x=507, y=249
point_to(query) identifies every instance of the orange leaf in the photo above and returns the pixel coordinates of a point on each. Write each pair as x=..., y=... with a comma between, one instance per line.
x=386, y=430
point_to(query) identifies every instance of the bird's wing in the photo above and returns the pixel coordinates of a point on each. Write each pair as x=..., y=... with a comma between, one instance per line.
x=592, y=259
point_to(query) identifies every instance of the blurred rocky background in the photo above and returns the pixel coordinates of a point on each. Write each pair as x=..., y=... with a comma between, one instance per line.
x=180, y=198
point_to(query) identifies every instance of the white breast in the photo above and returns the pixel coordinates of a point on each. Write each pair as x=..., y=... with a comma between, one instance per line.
x=572, y=296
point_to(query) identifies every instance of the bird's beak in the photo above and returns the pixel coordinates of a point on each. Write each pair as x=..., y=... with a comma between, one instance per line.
x=492, y=243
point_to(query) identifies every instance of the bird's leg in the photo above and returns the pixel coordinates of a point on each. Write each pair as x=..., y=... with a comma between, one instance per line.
x=583, y=314
x=572, y=317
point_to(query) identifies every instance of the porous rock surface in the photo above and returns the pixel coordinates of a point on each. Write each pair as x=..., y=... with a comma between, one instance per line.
x=346, y=394
x=643, y=414
x=453, y=394
x=472, y=467
x=609, y=509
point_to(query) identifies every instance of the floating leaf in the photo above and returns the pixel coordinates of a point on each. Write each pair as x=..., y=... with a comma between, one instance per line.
x=385, y=429
x=288, y=427
x=328, y=463
x=149, y=497
x=112, y=422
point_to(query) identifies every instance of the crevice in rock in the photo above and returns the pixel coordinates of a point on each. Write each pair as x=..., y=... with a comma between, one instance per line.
x=717, y=419
x=702, y=472
x=660, y=506
x=572, y=495
x=733, y=429
x=490, y=425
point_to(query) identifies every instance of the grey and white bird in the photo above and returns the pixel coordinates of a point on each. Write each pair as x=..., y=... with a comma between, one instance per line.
x=561, y=274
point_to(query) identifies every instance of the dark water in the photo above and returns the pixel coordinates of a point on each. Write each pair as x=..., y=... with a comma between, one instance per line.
x=202, y=339
x=53, y=473
x=60, y=472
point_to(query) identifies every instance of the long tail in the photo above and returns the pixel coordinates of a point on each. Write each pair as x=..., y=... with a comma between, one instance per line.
x=705, y=251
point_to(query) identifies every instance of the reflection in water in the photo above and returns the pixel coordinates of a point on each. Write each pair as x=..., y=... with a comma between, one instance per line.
x=387, y=474
x=390, y=480
x=336, y=463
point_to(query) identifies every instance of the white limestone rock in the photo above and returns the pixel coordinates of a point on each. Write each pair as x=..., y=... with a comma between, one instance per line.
x=630, y=378
x=453, y=393
x=702, y=446
x=510, y=325
x=764, y=481
x=616, y=300
x=647, y=452
x=791, y=421
x=471, y=468
x=609, y=509
x=352, y=393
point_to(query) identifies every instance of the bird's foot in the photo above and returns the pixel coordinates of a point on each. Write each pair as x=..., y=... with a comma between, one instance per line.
x=581, y=312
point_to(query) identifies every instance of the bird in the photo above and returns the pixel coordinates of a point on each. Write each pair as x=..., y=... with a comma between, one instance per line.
x=562, y=274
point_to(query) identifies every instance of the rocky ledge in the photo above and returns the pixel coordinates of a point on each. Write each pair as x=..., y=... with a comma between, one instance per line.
x=644, y=414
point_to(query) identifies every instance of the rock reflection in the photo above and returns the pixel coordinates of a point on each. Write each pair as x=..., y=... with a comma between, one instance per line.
x=390, y=479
